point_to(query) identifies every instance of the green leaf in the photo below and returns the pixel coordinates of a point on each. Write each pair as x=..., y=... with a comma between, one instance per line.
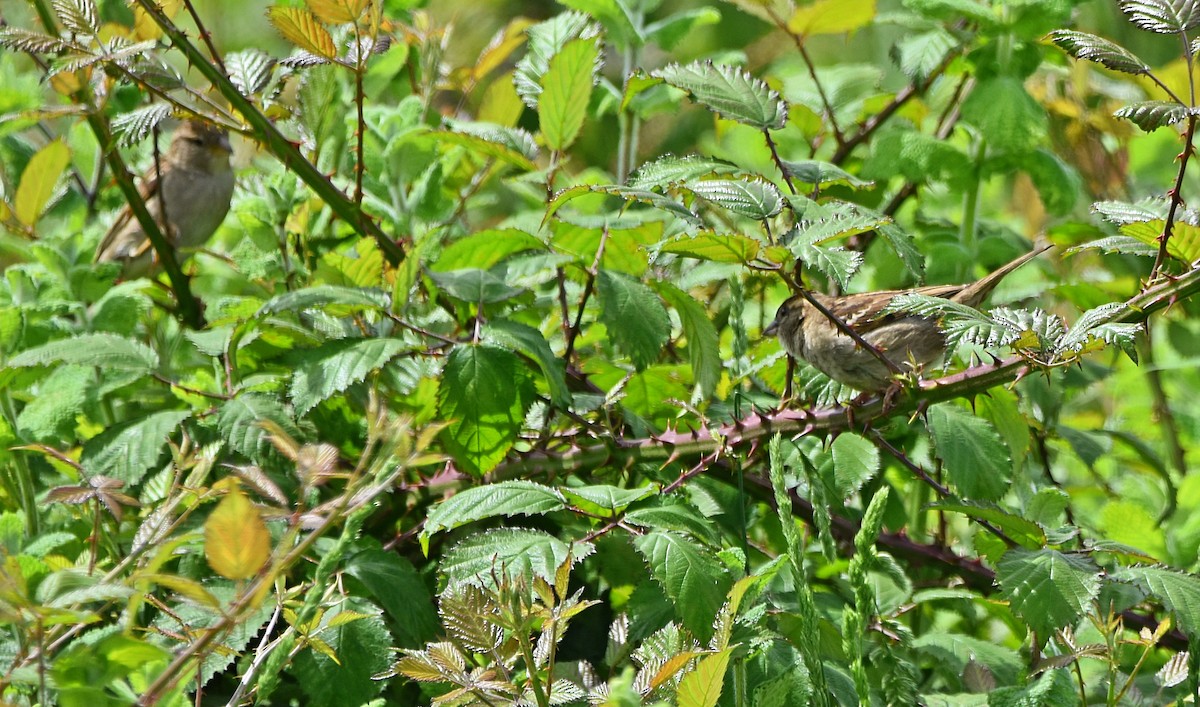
x=614, y=15
x=1023, y=531
x=321, y=296
x=477, y=286
x=566, y=92
x=396, y=585
x=335, y=366
x=363, y=650
x=1152, y=115
x=855, y=462
x=1089, y=47
x=39, y=180
x=485, y=393
x=643, y=196
x=703, y=343
x=1184, y=244
x=239, y=422
x=107, y=351
x=837, y=263
x=61, y=396
x=680, y=517
x=1009, y=118
x=605, y=500
x=127, y=451
x=512, y=552
x=717, y=247
x=701, y=687
x=821, y=174
x=301, y=28
x=669, y=170
x=756, y=199
x=506, y=498
x=975, y=458
x=670, y=30
x=691, y=576
x=506, y=144
x=634, y=316
x=249, y=70
x=831, y=17
x=529, y=341
x=545, y=40
x=730, y=92
x=1178, y=591
x=486, y=248
x=1162, y=16
x=1047, y=588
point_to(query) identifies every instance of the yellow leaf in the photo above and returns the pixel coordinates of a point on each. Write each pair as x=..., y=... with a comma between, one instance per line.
x=302, y=29
x=831, y=17
x=337, y=11
x=702, y=686
x=144, y=26
x=501, y=104
x=501, y=47
x=38, y=181
x=236, y=541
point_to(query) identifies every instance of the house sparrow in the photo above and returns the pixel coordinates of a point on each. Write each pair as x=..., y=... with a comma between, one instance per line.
x=904, y=339
x=197, y=182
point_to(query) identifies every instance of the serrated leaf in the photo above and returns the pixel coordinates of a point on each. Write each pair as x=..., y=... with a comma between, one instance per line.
x=1162, y=16
x=855, y=462
x=134, y=126
x=1049, y=589
x=1022, y=530
x=976, y=459
x=566, y=92
x=1117, y=244
x=654, y=199
x=239, y=422
x=545, y=40
x=529, y=341
x=669, y=169
x=729, y=91
x=1089, y=47
x=236, y=541
x=755, y=199
x=39, y=180
x=679, y=517
x=703, y=342
x=837, y=263
x=701, y=687
x=634, y=316
x=1184, y=244
x=485, y=393
x=717, y=247
x=104, y=350
x=79, y=16
x=334, y=366
x=321, y=296
x=514, y=146
x=1152, y=115
x=477, y=286
x=831, y=17
x=820, y=174
x=127, y=451
x=337, y=11
x=486, y=248
x=506, y=498
x=605, y=500
x=249, y=70
x=303, y=29
x=1009, y=118
x=512, y=552
x=1179, y=592
x=690, y=575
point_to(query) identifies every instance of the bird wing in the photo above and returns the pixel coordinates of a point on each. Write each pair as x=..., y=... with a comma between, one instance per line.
x=125, y=219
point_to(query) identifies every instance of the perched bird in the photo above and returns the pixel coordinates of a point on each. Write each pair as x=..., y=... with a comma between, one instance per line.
x=906, y=340
x=195, y=180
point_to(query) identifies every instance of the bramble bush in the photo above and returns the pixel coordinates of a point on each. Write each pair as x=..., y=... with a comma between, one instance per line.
x=467, y=401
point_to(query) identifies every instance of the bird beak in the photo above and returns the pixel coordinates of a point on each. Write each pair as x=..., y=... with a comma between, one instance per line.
x=772, y=329
x=223, y=143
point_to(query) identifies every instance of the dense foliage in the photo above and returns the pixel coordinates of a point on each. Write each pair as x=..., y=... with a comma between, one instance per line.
x=468, y=403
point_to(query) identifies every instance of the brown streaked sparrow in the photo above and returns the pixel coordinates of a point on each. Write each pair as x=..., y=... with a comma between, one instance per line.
x=906, y=340
x=195, y=180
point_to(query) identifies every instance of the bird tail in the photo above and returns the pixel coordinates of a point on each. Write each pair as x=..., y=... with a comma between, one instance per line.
x=976, y=292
